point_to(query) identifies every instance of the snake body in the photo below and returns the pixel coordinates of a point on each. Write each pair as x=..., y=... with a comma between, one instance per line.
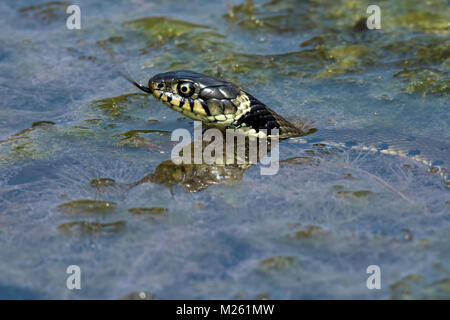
x=222, y=104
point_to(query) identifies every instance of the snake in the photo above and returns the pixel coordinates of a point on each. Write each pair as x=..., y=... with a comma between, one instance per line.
x=222, y=104
x=218, y=103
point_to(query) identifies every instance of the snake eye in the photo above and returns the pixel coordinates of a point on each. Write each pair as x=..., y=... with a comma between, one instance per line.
x=160, y=86
x=186, y=89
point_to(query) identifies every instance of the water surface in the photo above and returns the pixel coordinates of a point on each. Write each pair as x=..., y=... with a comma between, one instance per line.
x=74, y=134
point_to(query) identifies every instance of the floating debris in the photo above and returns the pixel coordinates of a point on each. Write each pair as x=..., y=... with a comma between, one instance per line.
x=142, y=295
x=101, y=183
x=92, y=228
x=48, y=11
x=310, y=232
x=116, y=106
x=148, y=211
x=356, y=194
x=87, y=206
x=42, y=123
x=277, y=263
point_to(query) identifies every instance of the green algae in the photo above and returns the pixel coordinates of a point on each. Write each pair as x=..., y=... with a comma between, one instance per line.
x=133, y=133
x=277, y=263
x=26, y=145
x=228, y=64
x=92, y=228
x=87, y=206
x=17, y=136
x=95, y=122
x=435, y=53
x=336, y=51
x=301, y=160
x=101, y=183
x=355, y=194
x=42, y=123
x=116, y=107
x=41, y=141
x=414, y=286
x=110, y=40
x=206, y=43
x=425, y=80
x=77, y=133
x=194, y=177
x=270, y=17
x=437, y=290
x=317, y=62
x=347, y=59
x=348, y=176
x=405, y=287
x=48, y=11
x=353, y=51
x=425, y=21
x=142, y=295
x=309, y=232
x=159, y=30
x=107, y=43
x=134, y=139
x=158, y=211
x=244, y=15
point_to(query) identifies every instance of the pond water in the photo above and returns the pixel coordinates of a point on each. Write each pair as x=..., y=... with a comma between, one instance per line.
x=75, y=136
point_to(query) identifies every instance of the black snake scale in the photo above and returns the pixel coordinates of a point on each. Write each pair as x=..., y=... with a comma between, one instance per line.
x=222, y=104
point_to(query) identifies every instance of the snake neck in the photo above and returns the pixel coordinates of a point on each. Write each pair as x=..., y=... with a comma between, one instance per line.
x=260, y=118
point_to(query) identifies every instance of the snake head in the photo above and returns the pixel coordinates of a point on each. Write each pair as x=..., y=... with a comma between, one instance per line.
x=197, y=96
x=215, y=102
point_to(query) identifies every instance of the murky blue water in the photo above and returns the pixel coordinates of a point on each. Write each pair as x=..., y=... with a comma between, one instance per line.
x=310, y=231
